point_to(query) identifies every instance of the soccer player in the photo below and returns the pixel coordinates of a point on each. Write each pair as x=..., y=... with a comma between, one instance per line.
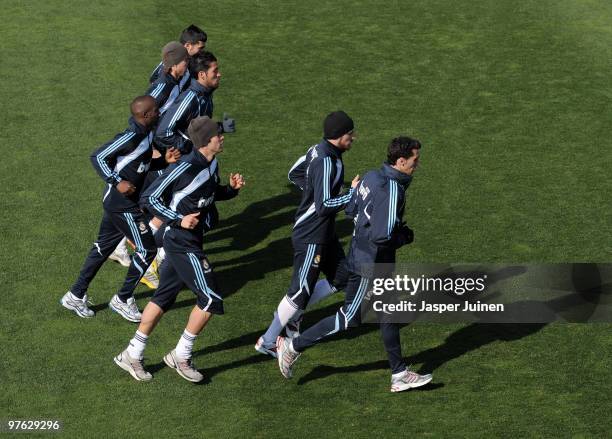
x=166, y=87
x=184, y=196
x=122, y=163
x=194, y=40
x=315, y=243
x=196, y=101
x=164, y=90
x=378, y=207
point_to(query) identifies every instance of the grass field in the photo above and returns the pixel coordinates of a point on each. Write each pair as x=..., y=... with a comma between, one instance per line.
x=512, y=102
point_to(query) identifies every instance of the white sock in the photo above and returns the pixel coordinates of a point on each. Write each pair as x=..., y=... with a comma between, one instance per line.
x=322, y=289
x=185, y=344
x=137, y=345
x=154, y=229
x=285, y=311
x=161, y=255
x=291, y=349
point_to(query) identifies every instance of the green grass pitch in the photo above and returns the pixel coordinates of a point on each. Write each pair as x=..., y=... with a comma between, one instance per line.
x=512, y=102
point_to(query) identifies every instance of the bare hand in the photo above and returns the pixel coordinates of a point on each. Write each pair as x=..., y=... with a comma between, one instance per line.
x=355, y=181
x=125, y=187
x=172, y=155
x=190, y=221
x=236, y=181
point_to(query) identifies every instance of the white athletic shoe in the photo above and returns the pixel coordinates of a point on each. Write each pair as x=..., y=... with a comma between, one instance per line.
x=151, y=278
x=183, y=366
x=129, y=311
x=121, y=255
x=409, y=380
x=134, y=366
x=268, y=350
x=286, y=356
x=79, y=306
x=292, y=329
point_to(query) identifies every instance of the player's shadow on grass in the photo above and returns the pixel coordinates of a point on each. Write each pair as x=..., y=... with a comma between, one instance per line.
x=459, y=343
x=581, y=304
x=259, y=219
x=255, y=223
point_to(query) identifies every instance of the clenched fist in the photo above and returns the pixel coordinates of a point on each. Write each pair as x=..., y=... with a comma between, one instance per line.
x=236, y=181
x=190, y=221
x=125, y=187
x=172, y=155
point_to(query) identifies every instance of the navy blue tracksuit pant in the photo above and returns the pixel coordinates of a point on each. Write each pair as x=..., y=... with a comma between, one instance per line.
x=114, y=226
x=309, y=260
x=189, y=268
x=349, y=315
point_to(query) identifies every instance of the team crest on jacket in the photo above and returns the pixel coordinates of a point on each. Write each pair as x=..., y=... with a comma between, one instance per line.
x=143, y=167
x=142, y=227
x=317, y=259
x=203, y=202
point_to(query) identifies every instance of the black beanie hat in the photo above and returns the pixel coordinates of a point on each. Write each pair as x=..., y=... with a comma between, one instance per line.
x=337, y=124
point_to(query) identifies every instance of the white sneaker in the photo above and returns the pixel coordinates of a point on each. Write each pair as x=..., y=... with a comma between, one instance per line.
x=409, y=380
x=261, y=348
x=132, y=365
x=183, y=366
x=121, y=254
x=79, y=306
x=151, y=278
x=129, y=311
x=286, y=356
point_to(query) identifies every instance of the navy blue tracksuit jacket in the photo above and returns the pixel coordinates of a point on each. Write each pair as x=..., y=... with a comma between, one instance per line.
x=297, y=173
x=377, y=207
x=165, y=91
x=191, y=185
x=126, y=157
x=158, y=72
x=315, y=219
x=172, y=128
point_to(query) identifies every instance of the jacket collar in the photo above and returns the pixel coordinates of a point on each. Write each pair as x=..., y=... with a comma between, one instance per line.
x=169, y=78
x=199, y=88
x=396, y=175
x=330, y=149
x=196, y=158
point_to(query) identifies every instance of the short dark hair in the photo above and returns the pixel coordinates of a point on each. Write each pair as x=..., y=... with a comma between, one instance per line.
x=401, y=147
x=193, y=34
x=200, y=62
